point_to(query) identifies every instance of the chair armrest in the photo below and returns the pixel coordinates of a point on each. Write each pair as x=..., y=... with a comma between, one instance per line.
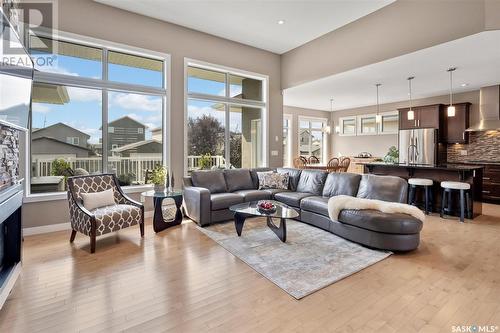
x=197, y=204
x=129, y=201
x=81, y=218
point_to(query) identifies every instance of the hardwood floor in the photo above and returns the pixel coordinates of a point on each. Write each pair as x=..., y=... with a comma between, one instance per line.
x=180, y=280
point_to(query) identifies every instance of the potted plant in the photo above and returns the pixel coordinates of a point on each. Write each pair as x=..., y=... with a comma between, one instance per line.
x=205, y=161
x=392, y=156
x=159, y=177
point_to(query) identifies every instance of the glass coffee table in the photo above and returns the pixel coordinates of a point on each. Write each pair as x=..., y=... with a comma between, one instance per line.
x=249, y=209
x=162, y=219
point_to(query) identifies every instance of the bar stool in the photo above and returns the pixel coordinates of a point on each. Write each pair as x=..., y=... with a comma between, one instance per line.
x=464, y=188
x=427, y=184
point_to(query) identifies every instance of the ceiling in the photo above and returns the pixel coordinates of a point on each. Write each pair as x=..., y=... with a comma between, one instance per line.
x=255, y=22
x=476, y=57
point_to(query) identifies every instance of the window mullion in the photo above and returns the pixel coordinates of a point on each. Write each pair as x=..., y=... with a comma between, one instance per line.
x=227, y=131
x=104, y=110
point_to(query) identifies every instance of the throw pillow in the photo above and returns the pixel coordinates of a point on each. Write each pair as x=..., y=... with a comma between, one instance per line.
x=98, y=199
x=273, y=180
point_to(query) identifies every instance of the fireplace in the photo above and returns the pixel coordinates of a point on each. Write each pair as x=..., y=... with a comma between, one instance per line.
x=16, y=77
x=11, y=198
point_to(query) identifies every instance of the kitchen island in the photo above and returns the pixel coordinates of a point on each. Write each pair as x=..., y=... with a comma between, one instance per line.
x=472, y=174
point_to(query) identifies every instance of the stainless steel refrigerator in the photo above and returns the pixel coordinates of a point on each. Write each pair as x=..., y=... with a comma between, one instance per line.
x=418, y=146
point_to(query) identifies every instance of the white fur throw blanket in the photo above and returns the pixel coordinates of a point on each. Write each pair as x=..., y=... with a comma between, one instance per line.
x=340, y=202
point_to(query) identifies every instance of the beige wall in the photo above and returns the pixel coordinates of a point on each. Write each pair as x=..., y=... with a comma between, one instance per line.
x=295, y=113
x=92, y=19
x=404, y=26
x=378, y=145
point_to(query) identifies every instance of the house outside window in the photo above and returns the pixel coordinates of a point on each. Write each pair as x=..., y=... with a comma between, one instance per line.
x=312, y=138
x=94, y=110
x=225, y=118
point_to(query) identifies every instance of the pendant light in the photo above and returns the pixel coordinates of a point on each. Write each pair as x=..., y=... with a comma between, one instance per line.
x=411, y=113
x=378, y=117
x=451, y=107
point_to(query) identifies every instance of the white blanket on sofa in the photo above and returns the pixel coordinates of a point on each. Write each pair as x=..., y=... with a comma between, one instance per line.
x=340, y=202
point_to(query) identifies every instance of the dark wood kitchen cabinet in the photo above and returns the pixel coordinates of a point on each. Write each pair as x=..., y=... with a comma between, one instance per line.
x=426, y=116
x=491, y=183
x=453, y=128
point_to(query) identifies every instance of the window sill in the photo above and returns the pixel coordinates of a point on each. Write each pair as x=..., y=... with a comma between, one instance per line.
x=63, y=195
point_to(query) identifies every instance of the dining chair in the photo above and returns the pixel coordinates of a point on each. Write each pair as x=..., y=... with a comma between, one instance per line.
x=313, y=160
x=299, y=163
x=333, y=165
x=344, y=164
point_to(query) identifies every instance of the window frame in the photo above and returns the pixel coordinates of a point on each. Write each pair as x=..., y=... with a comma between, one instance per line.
x=324, y=122
x=106, y=87
x=380, y=125
x=228, y=102
x=359, y=125
x=341, y=124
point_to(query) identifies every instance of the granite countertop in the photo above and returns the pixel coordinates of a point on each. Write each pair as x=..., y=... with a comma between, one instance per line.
x=477, y=162
x=457, y=167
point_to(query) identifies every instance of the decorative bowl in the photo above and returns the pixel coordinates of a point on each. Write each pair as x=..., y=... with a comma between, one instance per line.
x=266, y=207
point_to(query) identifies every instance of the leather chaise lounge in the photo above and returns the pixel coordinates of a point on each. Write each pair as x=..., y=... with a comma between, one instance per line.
x=209, y=194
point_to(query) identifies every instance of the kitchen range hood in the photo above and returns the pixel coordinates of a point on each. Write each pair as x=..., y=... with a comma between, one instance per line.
x=489, y=110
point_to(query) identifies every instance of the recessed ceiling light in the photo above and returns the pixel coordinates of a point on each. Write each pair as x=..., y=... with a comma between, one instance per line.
x=281, y=22
x=464, y=84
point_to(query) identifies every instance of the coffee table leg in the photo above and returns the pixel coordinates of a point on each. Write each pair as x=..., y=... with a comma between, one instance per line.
x=279, y=231
x=239, y=220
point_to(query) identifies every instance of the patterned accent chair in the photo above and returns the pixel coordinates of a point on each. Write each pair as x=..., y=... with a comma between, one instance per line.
x=123, y=214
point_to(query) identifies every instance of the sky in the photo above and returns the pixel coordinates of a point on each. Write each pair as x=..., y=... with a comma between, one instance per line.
x=83, y=111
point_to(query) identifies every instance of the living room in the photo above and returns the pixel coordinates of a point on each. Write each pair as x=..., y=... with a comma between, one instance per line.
x=250, y=165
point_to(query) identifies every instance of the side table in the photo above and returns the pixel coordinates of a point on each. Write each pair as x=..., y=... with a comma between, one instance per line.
x=159, y=221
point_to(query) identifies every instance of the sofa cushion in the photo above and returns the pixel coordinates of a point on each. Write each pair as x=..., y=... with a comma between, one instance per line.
x=311, y=181
x=390, y=223
x=238, y=179
x=386, y=188
x=224, y=200
x=291, y=198
x=273, y=191
x=255, y=178
x=212, y=180
x=315, y=204
x=294, y=176
x=271, y=179
x=253, y=195
x=341, y=183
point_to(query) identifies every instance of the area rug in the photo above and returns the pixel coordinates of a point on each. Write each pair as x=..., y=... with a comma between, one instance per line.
x=310, y=259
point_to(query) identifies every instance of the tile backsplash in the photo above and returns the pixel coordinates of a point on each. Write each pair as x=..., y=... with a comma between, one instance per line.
x=9, y=156
x=482, y=146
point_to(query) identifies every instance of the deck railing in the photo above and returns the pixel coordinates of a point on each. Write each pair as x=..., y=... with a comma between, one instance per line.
x=41, y=167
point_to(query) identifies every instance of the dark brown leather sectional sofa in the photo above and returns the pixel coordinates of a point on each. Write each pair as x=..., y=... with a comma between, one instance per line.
x=209, y=194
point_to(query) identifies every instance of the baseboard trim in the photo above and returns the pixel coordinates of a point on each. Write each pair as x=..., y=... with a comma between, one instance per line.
x=45, y=229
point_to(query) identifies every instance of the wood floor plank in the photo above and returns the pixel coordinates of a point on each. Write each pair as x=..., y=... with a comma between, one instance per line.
x=182, y=281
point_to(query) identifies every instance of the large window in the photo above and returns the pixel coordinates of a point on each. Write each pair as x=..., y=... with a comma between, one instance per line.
x=224, y=119
x=287, y=140
x=95, y=109
x=312, y=138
